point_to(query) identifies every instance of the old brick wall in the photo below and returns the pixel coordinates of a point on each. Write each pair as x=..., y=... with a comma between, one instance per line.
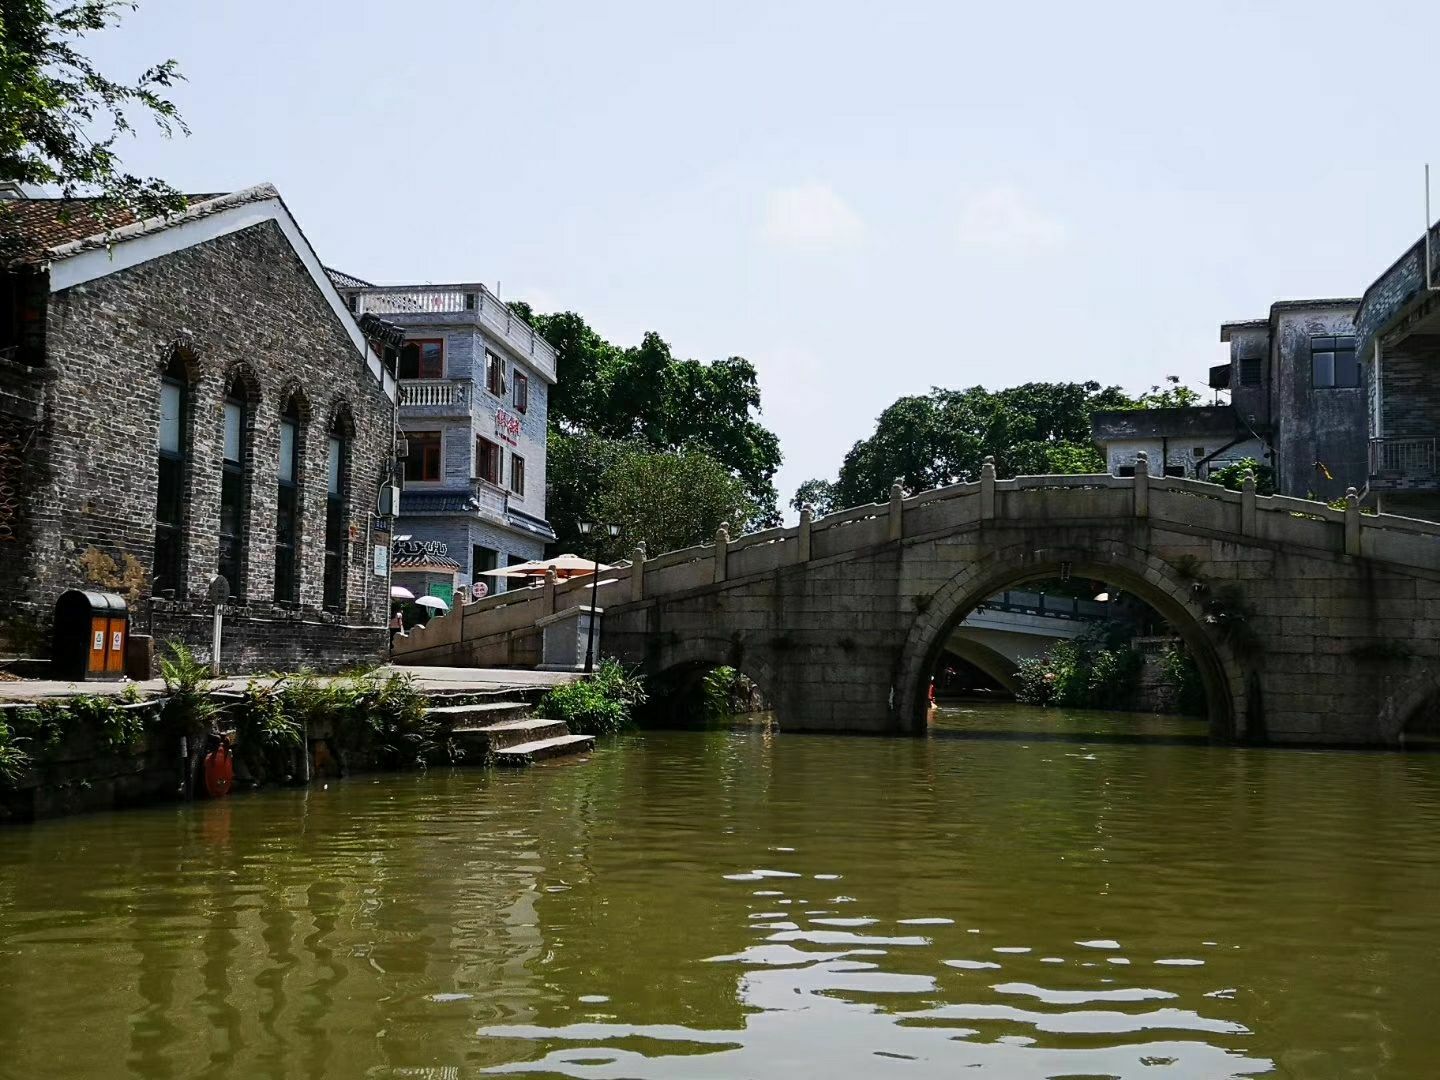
x=242, y=303
x=283, y=641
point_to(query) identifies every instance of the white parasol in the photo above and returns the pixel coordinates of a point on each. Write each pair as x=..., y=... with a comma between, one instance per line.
x=565, y=566
x=399, y=592
x=433, y=601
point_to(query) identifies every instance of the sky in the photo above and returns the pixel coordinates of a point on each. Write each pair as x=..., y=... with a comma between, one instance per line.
x=865, y=200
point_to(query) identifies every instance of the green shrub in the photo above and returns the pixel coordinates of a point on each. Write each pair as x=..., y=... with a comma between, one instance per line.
x=1082, y=674
x=188, y=708
x=600, y=705
x=1182, y=677
x=14, y=761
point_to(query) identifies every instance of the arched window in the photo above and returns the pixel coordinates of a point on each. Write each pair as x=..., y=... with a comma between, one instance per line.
x=287, y=505
x=170, y=486
x=336, y=511
x=232, y=486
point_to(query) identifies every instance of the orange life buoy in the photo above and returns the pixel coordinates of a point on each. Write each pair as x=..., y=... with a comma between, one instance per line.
x=219, y=772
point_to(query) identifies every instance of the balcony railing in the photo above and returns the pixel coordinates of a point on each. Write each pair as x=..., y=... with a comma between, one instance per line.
x=1405, y=459
x=434, y=392
x=475, y=301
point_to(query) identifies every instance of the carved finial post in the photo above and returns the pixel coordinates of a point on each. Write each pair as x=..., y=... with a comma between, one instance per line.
x=1142, y=485
x=722, y=552
x=1247, y=504
x=1352, y=522
x=637, y=572
x=987, y=490
x=897, y=510
x=547, y=602
x=807, y=521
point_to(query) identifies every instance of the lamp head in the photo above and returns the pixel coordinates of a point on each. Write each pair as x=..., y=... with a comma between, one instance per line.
x=585, y=527
x=614, y=531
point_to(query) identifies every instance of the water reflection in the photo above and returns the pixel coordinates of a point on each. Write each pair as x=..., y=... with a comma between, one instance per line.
x=741, y=905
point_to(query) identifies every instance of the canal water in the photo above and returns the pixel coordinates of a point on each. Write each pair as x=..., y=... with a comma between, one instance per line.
x=1024, y=894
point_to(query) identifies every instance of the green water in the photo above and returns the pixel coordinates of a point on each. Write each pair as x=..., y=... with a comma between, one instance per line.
x=747, y=904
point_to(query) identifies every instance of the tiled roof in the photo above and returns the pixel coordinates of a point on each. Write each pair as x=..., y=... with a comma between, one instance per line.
x=412, y=562
x=38, y=226
x=343, y=280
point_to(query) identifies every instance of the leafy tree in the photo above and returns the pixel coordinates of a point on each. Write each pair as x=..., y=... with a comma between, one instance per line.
x=645, y=395
x=819, y=494
x=1232, y=476
x=666, y=498
x=1174, y=395
x=944, y=436
x=60, y=117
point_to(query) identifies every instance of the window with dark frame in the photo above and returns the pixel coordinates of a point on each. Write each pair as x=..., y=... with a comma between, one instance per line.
x=1333, y=365
x=287, y=505
x=423, y=460
x=517, y=474
x=169, y=491
x=494, y=374
x=232, y=488
x=422, y=358
x=336, y=472
x=481, y=560
x=522, y=392
x=1249, y=371
x=488, y=459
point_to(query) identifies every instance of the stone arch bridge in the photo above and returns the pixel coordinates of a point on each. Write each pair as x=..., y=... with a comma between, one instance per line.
x=1309, y=624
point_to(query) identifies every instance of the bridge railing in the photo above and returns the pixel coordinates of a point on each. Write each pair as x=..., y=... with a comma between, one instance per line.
x=1176, y=502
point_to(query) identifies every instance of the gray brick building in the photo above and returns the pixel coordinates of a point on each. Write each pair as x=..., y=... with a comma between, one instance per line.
x=474, y=388
x=188, y=396
x=1297, y=404
x=1399, y=345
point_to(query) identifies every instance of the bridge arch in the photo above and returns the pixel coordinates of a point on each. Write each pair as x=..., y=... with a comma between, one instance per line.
x=694, y=657
x=1151, y=579
x=995, y=665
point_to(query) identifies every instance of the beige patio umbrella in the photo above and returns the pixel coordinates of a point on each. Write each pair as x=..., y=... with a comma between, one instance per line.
x=566, y=566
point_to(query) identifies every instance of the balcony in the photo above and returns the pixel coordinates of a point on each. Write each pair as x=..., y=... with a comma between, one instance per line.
x=447, y=305
x=1408, y=464
x=435, y=397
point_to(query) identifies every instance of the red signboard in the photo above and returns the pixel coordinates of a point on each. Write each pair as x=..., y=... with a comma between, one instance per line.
x=507, y=427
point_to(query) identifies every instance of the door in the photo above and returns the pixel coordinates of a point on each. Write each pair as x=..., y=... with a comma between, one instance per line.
x=99, y=631
x=115, y=648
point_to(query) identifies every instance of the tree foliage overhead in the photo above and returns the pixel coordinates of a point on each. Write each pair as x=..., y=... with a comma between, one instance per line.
x=654, y=421
x=943, y=437
x=60, y=116
x=666, y=499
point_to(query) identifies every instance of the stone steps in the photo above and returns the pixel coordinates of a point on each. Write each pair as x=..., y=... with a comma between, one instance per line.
x=505, y=731
x=508, y=733
x=478, y=715
x=523, y=754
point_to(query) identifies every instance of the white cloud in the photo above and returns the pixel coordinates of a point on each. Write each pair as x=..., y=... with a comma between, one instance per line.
x=1000, y=219
x=810, y=216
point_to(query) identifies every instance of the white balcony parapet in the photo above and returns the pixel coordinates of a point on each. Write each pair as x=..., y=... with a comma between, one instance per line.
x=434, y=392
x=438, y=303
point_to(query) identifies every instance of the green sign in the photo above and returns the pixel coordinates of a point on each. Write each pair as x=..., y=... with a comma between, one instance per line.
x=444, y=590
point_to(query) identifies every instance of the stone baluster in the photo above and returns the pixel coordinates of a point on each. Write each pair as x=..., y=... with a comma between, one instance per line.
x=547, y=599
x=722, y=552
x=807, y=520
x=1248, y=524
x=1352, y=522
x=897, y=510
x=637, y=572
x=1142, y=485
x=987, y=490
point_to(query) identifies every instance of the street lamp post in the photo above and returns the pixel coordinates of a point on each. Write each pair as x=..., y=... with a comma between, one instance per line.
x=586, y=529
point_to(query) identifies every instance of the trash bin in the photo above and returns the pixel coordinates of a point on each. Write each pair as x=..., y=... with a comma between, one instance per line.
x=90, y=632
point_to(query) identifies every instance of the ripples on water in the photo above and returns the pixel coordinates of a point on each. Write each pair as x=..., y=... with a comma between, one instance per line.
x=746, y=905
